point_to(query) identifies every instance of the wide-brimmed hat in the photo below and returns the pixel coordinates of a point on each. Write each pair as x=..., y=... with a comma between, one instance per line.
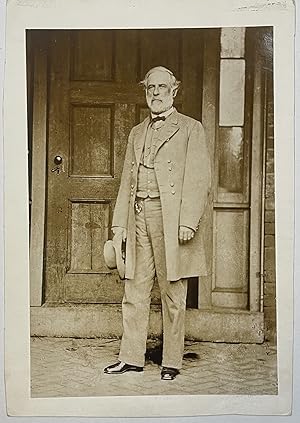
x=114, y=255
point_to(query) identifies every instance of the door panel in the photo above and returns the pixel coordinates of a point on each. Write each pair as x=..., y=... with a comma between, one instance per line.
x=233, y=42
x=89, y=226
x=98, y=65
x=232, y=166
x=160, y=47
x=230, y=273
x=91, y=147
x=232, y=92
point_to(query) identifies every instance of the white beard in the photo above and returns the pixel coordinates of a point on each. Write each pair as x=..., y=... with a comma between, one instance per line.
x=161, y=106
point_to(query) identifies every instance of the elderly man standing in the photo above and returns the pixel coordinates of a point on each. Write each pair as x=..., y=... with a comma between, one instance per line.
x=162, y=197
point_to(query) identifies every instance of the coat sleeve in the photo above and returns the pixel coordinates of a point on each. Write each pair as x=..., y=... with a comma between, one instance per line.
x=197, y=179
x=120, y=216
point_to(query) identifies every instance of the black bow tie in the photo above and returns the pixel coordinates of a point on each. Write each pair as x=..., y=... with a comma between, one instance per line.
x=157, y=118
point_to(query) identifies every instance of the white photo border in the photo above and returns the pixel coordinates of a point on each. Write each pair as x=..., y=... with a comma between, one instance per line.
x=76, y=14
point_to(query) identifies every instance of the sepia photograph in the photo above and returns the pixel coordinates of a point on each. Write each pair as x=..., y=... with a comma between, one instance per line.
x=152, y=216
x=149, y=197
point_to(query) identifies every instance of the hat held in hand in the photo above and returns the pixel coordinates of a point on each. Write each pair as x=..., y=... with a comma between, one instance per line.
x=114, y=255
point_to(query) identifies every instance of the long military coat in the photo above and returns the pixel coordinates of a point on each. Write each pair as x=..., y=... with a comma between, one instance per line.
x=182, y=167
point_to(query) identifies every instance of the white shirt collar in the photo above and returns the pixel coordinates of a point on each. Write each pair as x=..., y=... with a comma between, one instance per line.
x=165, y=114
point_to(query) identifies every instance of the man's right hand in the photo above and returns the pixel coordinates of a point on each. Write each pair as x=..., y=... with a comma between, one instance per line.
x=119, y=232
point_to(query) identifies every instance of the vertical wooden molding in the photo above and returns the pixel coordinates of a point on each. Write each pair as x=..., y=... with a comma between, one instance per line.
x=209, y=119
x=256, y=188
x=39, y=134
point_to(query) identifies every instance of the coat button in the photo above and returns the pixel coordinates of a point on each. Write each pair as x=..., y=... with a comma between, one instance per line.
x=172, y=184
x=169, y=161
x=173, y=191
x=132, y=186
x=131, y=170
x=170, y=168
x=132, y=163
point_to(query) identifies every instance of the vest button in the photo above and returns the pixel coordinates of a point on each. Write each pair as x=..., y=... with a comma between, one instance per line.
x=173, y=191
x=172, y=184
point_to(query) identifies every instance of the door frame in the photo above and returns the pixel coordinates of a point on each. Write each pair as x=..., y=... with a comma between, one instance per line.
x=39, y=95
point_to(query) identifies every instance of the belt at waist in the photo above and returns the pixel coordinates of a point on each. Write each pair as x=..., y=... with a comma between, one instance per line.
x=150, y=194
x=147, y=166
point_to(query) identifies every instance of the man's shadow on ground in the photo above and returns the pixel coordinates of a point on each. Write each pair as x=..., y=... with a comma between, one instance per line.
x=154, y=355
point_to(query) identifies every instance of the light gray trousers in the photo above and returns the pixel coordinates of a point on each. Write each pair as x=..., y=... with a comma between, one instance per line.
x=151, y=260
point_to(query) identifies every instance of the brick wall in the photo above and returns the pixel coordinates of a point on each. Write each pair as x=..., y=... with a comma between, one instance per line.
x=269, y=228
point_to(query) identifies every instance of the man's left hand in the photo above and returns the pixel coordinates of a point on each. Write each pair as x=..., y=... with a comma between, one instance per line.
x=185, y=234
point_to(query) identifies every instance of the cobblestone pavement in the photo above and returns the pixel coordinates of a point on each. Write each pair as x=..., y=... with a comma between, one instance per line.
x=74, y=367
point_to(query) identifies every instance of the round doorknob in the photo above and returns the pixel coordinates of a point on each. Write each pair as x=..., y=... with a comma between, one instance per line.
x=58, y=160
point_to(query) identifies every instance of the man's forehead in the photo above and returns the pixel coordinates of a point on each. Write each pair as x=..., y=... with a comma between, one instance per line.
x=159, y=77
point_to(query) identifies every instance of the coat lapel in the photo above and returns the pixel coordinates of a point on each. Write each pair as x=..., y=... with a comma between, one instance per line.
x=165, y=133
x=167, y=130
x=139, y=139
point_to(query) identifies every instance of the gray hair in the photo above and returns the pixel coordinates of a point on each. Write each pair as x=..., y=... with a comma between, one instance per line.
x=174, y=82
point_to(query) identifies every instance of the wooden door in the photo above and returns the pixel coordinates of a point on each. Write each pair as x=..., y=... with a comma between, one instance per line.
x=94, y=101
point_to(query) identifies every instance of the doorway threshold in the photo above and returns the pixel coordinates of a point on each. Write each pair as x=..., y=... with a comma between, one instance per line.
x=105, y=321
